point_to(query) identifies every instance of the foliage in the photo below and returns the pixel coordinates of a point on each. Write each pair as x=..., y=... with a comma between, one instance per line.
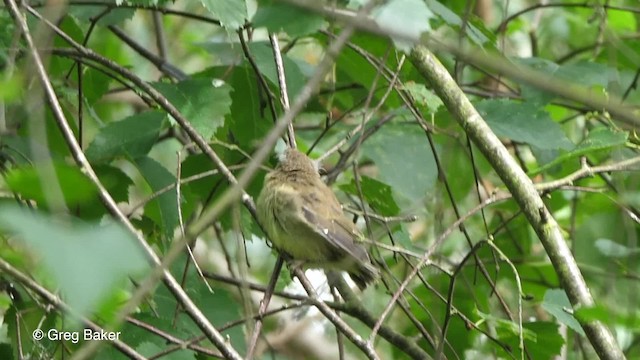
x=170, y=104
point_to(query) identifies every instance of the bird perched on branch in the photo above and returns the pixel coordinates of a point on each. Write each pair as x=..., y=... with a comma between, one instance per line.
x=304, y=219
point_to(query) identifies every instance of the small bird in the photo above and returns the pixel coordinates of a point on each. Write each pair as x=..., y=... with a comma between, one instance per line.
x=304, y=219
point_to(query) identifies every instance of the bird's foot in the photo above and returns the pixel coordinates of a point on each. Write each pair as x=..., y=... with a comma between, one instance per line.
x=294, y=265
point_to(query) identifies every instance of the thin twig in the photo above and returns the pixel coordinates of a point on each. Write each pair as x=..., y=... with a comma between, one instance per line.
x=169, y=338
x=331, y=315
x=426, y=257
x=159, y=61
x=82, y=161
x=610, y=103
x=525, y=194
x=282, y=82
x=264, y=304
x=161, y=39
x=181, y=224
x=368, y=117
x=54, y=300
x=586, y=171
x=261, y=78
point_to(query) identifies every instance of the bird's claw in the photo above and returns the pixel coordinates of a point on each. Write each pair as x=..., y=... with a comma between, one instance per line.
x=294, y=265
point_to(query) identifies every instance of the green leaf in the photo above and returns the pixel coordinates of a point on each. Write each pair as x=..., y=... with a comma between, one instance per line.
x=59, y=65
x=163, y=210
x=595, y=313
x=540, y=338
x=231, y=13
x=535, y=276
x=475, y=30
x=249, y=120
x=601, y=139
x=406, y=18
x=506, y=326
x=7, y=42
x=134, y=336
x=224, y=52
x=378, y=194
x=402, y=238
x=149, y=349
x=115, y=181
x=621, y=21
x=587, y=73
x=404, y=159
x=103, y=255
x=94, y=84
x=220, y=307
x=631, y=197
x=11, y=86
x=530, y=93
x=22, y=319
x=523, y=122
x=556, y=303
x=201, y=101
x=75, y=186
x=610, y=248
x=423, y=96
x=89, y=13
x=608, y=316
x=6, y=351
x=131, y=137
x=548, y=343
x=597, y=140
x=293, y=20
x=544, y=341
x=353, y=67
x=263, y=55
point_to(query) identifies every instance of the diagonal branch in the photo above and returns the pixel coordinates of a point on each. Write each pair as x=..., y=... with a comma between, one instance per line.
x=523, y=191
x=190, y=307
x=54, y=300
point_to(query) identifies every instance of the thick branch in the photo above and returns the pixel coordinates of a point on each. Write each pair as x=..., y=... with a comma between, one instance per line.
x=523, y=192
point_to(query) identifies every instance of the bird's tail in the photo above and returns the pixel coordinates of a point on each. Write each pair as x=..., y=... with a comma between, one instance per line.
x=365, y=275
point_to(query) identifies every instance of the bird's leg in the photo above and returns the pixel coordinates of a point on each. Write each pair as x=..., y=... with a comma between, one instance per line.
x=294, y=265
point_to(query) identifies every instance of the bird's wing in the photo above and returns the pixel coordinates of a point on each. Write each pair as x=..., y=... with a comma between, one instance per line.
x=328, y=221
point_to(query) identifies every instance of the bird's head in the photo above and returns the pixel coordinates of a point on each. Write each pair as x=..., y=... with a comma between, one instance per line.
x=294, y=160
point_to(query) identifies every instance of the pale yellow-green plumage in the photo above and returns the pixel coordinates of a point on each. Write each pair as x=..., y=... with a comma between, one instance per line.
x=304, y=219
